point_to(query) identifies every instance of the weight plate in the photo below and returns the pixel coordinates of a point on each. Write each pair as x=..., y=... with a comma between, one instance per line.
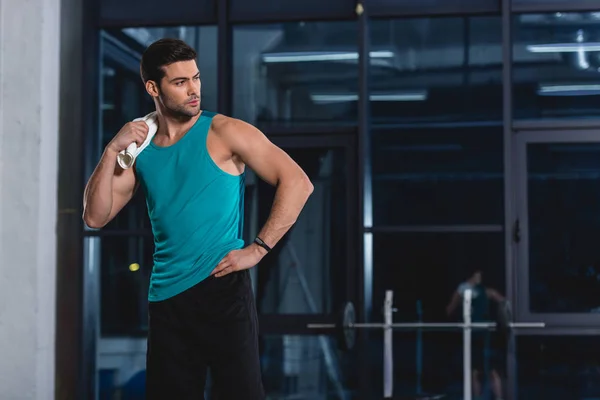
x=349, y=319
x=345, y=335
x=504, y=318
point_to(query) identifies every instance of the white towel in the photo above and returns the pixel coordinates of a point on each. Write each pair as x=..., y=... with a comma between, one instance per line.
x=127, y=157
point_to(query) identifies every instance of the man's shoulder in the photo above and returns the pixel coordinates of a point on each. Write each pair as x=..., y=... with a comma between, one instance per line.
x=231, y=130
x=223, y=124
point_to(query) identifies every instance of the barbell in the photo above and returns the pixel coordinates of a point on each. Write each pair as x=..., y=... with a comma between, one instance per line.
x=346, y=325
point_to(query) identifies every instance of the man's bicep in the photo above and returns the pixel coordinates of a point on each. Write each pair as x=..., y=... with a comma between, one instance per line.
x=124, y=187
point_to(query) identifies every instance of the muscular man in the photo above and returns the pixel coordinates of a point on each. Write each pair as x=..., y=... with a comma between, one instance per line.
x=480, y=339
x=201, y=307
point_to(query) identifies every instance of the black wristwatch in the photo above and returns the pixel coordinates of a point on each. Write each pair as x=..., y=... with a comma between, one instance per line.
x=262, y=244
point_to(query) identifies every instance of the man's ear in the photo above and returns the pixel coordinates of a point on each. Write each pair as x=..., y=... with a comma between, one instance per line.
x=152, y=88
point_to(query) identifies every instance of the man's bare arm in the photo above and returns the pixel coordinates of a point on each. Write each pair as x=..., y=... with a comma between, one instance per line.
x=108, y=190
x=110, y=187
x=275, y=167
x=454, y=302
x=494, y=295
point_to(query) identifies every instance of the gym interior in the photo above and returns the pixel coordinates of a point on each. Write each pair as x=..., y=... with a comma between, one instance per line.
x=487, y=113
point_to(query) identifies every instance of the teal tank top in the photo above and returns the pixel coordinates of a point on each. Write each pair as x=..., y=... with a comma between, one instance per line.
x=480, y=305
x=196, y=210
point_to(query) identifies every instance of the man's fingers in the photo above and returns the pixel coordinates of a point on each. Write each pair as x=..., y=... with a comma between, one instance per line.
x=221, y=266
x=224, y=272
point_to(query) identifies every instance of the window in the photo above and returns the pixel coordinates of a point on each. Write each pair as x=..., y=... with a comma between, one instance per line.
x=300, y=72
x=276, y=10
x=125, y=264
x=436, y=132
x=307, y=272
x=387, y=8
x=424, y=269
x=308, y=367
x=556, y=64
x=437, y=176
x=153, y=12
x=427, y=364
x=563, y=227
x=436, y=70
x=558, y=367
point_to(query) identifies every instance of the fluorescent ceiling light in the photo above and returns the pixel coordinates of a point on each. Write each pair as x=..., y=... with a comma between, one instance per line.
x=570, y=90
x=563, y=47
x=343, y=98
x=320, y=56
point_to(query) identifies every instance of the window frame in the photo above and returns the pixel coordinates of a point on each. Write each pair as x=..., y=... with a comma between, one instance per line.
x=557, y=322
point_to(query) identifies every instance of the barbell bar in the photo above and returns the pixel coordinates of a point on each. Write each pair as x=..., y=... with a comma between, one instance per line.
x=345, y=328
x=428, y=325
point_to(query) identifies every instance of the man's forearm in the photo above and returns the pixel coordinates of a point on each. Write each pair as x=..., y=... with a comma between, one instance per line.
x=98, y=197
x=290, y=198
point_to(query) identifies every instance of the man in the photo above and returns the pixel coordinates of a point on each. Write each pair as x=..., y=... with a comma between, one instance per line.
x=480, y=312
x=201, y=307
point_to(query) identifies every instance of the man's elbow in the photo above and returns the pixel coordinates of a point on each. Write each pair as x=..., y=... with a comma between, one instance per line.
x=92, y=222
x=308, y=186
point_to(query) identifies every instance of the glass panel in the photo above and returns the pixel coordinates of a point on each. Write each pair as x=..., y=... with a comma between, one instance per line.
x=563, y=207
x=427, y=365
x=276, y=10
x=301, y=72
x=436, y=70
x=437, y=176
x=306, y=272
x=124, y=96
x=556, y=64
x=425, y=269
x=308, y=367
x=554, y=5
x=558, y=368
x=387, y=8
x=154, y=12
x=125, y=264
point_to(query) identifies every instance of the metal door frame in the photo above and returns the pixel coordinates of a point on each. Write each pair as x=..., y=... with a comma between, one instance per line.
x=557, y=323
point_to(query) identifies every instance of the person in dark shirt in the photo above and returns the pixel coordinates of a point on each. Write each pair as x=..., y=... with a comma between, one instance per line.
x=480, y=312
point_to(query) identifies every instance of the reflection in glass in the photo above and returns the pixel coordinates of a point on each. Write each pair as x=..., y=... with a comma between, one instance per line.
x=563, y=209
x=124, y=97
x=558, y=368
x=308, y=367
x=427, y=365
x=427, y=176
x=125, y=264
x=306, y=272
x=297, y=72
x=556, y=65
x=424, y=269
x=441, y=70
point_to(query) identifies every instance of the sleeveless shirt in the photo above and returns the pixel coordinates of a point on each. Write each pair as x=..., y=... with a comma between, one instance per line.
x=196, y=210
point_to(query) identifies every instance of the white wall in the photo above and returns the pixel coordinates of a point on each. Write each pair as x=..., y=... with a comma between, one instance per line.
x=29, y=78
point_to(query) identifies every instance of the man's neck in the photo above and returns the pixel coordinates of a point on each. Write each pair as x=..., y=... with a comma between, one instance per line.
x=173, y=127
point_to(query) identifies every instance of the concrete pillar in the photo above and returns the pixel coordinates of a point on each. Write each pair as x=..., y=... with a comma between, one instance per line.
x=29, y=112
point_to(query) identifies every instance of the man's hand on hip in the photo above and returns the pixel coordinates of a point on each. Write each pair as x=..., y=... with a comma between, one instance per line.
x=238, y=260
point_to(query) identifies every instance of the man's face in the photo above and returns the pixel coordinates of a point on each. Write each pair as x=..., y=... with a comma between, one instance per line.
x=477, y=278
x=180, y=89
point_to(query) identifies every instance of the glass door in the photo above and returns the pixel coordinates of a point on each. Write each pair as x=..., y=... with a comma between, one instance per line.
x=558, y=227
x=309, y=274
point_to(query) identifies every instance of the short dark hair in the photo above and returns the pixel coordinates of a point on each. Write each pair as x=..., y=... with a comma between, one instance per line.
x=162, y=53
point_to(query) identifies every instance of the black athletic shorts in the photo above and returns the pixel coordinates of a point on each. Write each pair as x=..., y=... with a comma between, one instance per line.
x=479, y=350
x=212, y=326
